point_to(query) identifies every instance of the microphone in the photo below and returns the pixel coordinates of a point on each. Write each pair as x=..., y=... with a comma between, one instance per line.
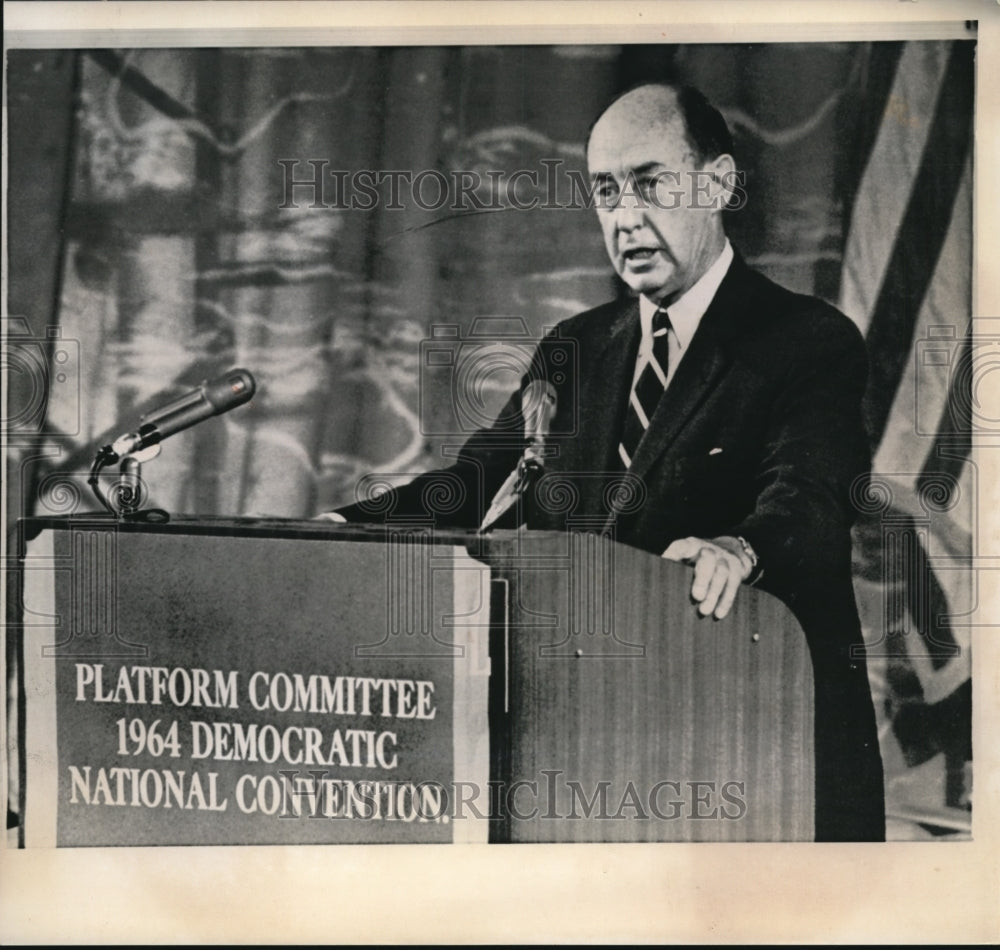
x=211, y=398
x=538, y=406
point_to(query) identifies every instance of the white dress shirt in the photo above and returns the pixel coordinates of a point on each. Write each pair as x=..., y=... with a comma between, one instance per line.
x=685, y=314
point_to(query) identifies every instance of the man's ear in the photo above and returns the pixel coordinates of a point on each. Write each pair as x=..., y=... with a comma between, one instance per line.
x=726, y=188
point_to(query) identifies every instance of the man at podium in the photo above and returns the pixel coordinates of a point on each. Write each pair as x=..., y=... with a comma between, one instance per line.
x=728, y=406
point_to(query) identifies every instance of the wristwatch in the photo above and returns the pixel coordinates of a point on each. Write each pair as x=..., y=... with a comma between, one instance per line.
x=751, y=554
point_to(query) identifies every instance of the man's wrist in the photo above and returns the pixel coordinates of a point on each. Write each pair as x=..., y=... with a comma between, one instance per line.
x=740, y=548
x=749, y=553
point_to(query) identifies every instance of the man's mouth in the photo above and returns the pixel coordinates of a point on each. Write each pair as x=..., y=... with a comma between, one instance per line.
x=638, y=255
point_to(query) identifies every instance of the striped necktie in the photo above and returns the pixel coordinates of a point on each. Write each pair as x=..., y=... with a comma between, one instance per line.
x=647, y=390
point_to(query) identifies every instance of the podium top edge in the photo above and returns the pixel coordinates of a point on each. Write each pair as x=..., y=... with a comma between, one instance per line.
x=238, y=527
x=264, y=527
x=500, y=543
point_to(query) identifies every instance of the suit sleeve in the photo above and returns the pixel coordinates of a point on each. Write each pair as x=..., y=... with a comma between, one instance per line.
x=815, y=453
x=456, y=496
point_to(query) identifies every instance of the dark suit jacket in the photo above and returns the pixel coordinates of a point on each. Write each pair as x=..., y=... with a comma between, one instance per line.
x=774, y=380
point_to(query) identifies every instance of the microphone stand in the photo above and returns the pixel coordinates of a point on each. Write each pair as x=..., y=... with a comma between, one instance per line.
x=515, y=490
x=128, y=490
x=519, y=488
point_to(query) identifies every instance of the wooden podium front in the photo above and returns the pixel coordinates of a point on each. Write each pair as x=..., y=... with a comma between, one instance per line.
x=220, y=681
x=637, y=719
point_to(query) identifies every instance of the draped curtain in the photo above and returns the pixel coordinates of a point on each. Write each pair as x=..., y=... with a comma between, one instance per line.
x=205, y=223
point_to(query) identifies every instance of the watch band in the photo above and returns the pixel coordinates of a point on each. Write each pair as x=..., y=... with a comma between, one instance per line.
x=751, y=554
x=748, y=551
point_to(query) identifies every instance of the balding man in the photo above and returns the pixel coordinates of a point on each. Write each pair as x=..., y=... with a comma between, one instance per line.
x=736, y=402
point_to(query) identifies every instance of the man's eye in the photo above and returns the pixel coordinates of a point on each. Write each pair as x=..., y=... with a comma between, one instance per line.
x=646, y=186
x=607, y=196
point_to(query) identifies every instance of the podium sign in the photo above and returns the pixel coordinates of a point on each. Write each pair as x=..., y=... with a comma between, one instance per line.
x=217, y=689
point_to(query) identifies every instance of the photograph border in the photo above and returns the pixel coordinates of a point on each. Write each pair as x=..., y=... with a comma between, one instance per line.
x=893, y=892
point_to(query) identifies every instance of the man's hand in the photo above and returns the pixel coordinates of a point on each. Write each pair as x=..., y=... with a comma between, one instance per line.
x=720, y=565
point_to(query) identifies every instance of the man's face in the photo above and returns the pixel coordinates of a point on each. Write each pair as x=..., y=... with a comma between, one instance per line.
x=662, y=229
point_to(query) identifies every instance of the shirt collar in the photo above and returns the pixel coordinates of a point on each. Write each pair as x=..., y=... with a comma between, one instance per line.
x=686, y=312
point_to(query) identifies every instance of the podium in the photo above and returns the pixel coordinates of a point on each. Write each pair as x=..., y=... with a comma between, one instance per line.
x=230, y=681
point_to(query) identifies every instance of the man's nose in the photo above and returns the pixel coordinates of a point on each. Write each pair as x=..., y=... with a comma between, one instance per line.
x=629, y=213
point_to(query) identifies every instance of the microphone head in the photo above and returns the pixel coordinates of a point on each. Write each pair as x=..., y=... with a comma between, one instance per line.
x=230, y=390
x=538, y=405
x=538, y=393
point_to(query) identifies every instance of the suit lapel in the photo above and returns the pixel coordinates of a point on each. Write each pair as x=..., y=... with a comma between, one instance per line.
x=699, y=372
x=604, y=391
